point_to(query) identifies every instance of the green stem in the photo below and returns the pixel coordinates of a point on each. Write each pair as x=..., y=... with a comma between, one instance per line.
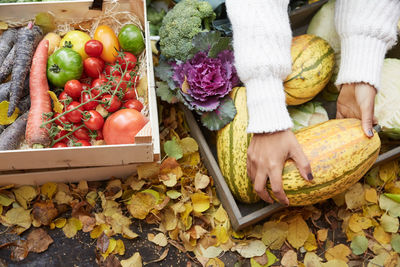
x=68, y=134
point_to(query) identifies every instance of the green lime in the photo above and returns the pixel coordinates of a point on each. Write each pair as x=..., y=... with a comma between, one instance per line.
x=130, y=38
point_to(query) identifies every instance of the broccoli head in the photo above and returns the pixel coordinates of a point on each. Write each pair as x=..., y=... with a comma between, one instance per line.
x=181, y=24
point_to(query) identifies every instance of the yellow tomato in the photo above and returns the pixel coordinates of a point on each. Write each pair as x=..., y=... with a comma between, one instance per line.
x=107, y=37
x=76, y=40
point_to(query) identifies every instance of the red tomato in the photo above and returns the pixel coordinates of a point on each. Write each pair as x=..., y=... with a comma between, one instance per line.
x=131, y=76
x=127, y=60
x=99, y=135
x=122, y=126
x=59, y=144
x=93, y=48
x=64, y=98
x=130, y=94
x=95, y=122
x=93, y=66
x=110, y=103
x=82, y=134
x=97, y=83
x=73, y=88
x=111, y=70
x=76, y=115
x=62, y=120
x=90, y=105
x=122, y=86
x=134, y=104
x=61, y=134
x=82, y=143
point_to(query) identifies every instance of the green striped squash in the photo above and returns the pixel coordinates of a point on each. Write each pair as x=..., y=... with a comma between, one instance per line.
x=313, y=62
x=338, y=151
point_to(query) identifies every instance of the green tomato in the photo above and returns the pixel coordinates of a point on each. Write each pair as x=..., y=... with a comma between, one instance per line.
x=63, y=65
x=131, y=39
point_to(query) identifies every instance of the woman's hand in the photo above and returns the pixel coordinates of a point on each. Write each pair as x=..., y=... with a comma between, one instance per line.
x=357, y=100
x=266, y=157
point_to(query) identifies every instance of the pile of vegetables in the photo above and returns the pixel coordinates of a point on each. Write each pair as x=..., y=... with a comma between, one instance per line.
x=81, y=90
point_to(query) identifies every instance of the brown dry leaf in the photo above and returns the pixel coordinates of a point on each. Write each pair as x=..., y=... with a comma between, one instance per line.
x=136, y=183
x=169, y=220
x=72, y=226
x=289, y=259
x=88, y=223
x=103, y=243
x=201, y=181
x=38, y=240
x=251, y=249
x=311, y=243
x=44, y=212
x=201, y=202
x=170, y=179
x=158, y=239
x=170, y=166
x=48, y=189
x=388, y=171
x=82, y=188
x=298, y=231
x=196, y=231
x=112, y=244
x=24, y=195
x=339, y=199
x=113, y=189
x=322, y=234
x=162, y=257
x=340, y=252
x=312, y=260
x=19, y=250
x=381, y=236
x=17, y=216
x=63, y=198
x=215, y=262
x=148, y=171
x=141, y=204
x=134, y=261
x=128, y=233
x=355, y=196
x=274, y=234
x=358, y=223
x=371, y=195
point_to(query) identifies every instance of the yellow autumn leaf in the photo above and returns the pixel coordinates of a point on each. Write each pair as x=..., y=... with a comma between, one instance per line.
x=169, y=180
x=5, y=200
x=4, y=119
x=221, y=235
x=354, y=197
x=192, y=159
x=141, y=204
x=298, y=232
x=3, y=25
x=60, y=222
x=215, y=262
x=335, y=263
x=48, y=189
x=201, y=202
x=388, y=171
x=393, y=187
x=112, y=244
x=251, y=249
x=134, y=261
x=201, y=181
x=17, y=216
x=185, y=216
x=289, y=259
x=158, y=239
x=322, y=234
x=72, y=226
x=274, y=234
x=381, y=236
x=119, y=248
x=220, y=215
x=188, y=145
x=312, y=260
x=371, y=195
x=372, y=211
x=148, y=170
x=358, y=222
x=57, y=106
x=339, y=252
x=311, y=243
x=24, y=195
x=169, y=219
x=1, y=209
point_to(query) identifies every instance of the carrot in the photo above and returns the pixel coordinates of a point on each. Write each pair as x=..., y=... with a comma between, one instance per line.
x=6, y=87
x=7, y=41
x=36, y=135
x=26, y=42
x=8, y=63
x=24, y=104
x=12, y=136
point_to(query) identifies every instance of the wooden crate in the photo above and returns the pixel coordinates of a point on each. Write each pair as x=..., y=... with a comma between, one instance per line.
x=146, y=147
x=242, y=215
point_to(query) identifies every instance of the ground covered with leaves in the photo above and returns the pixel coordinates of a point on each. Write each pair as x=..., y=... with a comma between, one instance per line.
x=170, y=215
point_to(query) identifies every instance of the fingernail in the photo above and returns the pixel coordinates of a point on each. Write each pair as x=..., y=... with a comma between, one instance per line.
x=370, y=133
x=310, y=176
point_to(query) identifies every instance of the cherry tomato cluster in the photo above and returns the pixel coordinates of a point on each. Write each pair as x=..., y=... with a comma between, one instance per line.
x=102, y=90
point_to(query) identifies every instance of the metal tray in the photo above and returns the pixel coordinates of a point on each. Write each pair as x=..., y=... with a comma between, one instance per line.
x=243, y=215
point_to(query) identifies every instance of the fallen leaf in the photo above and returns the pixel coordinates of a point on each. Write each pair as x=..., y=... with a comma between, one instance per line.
x=103, y=243
x=262, y=260
x=289, y=259
x=389, y=205
x=134, y=261
x=389, y=223
x=311, y=243
x=57, y=106
x=339, y=252
x=173, y=194
x=201, y=181
x=169, y=219
x=274, y=234
x=358, y=223
x=158, y=239
x=172, y=149
x=24, y=195
x=298, y=232
x=251, y=249
x=5, y=200
x=72, y=226
x=335, y=263
x=211, y=251
x=359, y=245
x=312, y=260
x=395, y=242
x=221, y=234
x=44, y=212
x=88, y=223
x=271, y=260
x=17, y=216
x=201, y=202
x=169, y=180
x=388, y=171
x=91, y=198
x=188, y=145
x=38, y=240
x=379, y=260
x=371, y=195
x=128, y=233
x=220, y=215
x=112, y=244
x=162, y=257
x=119, y=248
x=372, y=211
x=354, y=197
x=62, y=198
x=48, y=189
x=196, y=232
x=19, y=250
x=381, y=236
x=60, y=222
x=215, y=262
x=322, y=234
x=141, y=204
x=148, y=171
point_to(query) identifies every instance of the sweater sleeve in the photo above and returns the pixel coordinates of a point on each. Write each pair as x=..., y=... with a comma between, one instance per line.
x=261, y=42
x=367, y=30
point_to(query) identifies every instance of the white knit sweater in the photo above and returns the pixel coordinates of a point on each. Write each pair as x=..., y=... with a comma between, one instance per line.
x=262, y=40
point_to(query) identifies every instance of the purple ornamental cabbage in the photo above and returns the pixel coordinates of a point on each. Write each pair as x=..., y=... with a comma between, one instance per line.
x=209, y=79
